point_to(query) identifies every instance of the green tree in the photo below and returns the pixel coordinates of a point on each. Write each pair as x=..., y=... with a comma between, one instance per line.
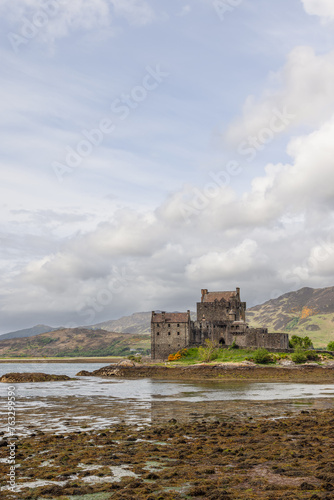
x=302, y=342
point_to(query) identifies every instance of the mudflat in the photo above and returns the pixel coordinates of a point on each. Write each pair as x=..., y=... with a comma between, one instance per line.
x=241, y=458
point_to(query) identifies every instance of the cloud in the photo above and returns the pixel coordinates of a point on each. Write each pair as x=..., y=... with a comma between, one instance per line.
x=305, y=96
x=264, y=240
x=134, y=11
x=52, y=19
x=321, y=8
x=224, y=265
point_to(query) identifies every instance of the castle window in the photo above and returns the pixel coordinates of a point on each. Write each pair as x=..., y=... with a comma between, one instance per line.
x=168, y=333
x=168, y=325
x=178, y=324
x=158, y=333
x=178, y=333
x=158, y=325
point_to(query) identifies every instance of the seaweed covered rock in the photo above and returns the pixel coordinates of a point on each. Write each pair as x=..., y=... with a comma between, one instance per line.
x=10, y=378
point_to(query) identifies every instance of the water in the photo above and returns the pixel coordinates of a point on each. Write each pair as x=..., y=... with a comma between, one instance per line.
x=93, y=402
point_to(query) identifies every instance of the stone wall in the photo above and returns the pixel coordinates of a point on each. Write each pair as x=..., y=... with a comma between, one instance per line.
x=168, y=337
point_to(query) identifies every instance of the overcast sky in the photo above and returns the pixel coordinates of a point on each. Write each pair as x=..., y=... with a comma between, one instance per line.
x=154, y=148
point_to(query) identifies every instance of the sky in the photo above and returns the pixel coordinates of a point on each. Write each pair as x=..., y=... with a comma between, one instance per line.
x=154, y=148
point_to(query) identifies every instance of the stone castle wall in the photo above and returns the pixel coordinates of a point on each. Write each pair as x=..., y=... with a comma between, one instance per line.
x=220, y=318
x=168, y=337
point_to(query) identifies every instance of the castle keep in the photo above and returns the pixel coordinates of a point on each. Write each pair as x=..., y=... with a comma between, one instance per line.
x=221, y=317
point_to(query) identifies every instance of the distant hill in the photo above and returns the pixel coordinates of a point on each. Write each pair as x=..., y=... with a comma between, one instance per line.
x=308, y=311
x=27, y=332
x=138, y=323
x=75, y=342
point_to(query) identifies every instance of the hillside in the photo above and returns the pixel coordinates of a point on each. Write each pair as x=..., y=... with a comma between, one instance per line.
x=75, y=342
x=307, y=311
x=27, y=332
x=138, y=323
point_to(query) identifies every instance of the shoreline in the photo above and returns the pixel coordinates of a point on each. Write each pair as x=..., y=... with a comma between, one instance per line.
x=111, y=359
x=302, y=373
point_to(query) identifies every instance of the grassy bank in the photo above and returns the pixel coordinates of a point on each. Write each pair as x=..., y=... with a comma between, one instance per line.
x=212, y=354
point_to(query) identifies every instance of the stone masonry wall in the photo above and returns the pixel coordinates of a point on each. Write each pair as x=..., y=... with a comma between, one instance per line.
x=168, y=338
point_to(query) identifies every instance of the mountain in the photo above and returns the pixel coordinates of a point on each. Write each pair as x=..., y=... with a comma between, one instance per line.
x=308, y=311
x=138, y=323
x=74, y=342
x=27, y=332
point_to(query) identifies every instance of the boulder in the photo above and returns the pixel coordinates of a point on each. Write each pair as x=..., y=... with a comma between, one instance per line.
x=84, y=373
x=126, y=363
x=286, y=362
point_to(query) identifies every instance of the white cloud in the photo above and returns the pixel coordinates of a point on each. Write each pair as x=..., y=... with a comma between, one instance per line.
x=322, y=8
x=241, y=259
x=305, y=96
x=135, y=11
x=52, y=19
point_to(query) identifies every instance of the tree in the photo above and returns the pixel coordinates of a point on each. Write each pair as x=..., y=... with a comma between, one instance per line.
x=302, y=342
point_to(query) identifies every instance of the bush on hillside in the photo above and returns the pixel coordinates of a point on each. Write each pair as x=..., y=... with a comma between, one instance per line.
x=208, y=353
x=262, y=356
x=299, y=356
x=330, y=346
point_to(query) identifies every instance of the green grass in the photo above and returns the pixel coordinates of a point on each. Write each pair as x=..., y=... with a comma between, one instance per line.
x=224, y=355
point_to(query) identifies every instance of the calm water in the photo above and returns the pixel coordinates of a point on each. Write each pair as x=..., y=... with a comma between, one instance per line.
x=149, y=389
x=94, y=402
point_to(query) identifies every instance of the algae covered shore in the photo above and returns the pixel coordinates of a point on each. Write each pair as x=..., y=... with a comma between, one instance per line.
x=225, y=458
x=221, y=371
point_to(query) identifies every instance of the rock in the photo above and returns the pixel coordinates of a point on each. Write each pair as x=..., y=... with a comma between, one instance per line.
x=84, y=373
x=126, y=363
x=10, y=378
x=312, y=328
x=286, y=362
x=248, y=363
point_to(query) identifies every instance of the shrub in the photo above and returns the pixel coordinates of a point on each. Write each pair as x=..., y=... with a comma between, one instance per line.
x=135, y=357
x=312, y=356
x=234, y=345
x=174, y=357
x=208, y=353
x=299, y=356
x=330, y=346
x=262, y=356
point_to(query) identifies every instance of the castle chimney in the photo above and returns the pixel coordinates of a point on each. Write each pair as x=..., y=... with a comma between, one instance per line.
x=204, y=292
x=163, y=313
x=238, y=291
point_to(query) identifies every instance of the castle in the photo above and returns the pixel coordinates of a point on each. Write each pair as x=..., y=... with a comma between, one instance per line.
x=221, y=317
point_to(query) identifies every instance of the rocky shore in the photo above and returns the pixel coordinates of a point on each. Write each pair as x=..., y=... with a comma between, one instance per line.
x=225, y=459
x=222, y=371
